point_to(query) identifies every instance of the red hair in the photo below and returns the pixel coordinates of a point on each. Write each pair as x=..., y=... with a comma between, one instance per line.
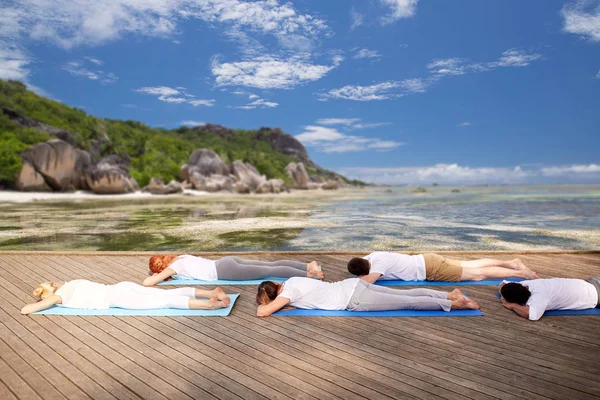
x=158, y=263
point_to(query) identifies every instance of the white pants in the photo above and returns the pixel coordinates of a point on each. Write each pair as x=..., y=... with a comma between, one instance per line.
x=137, y=297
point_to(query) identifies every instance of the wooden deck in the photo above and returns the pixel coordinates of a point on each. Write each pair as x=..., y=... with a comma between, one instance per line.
x=244, y=357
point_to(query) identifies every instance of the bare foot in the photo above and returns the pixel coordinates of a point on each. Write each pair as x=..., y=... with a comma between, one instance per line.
x=456, y=294
x=465, y=304
x=518, y=264
x=214, y=303
x=220, y=294
x=314, y=270
x=529, y=274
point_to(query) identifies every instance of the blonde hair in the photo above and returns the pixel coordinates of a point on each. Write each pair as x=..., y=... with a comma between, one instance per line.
x=44, y=290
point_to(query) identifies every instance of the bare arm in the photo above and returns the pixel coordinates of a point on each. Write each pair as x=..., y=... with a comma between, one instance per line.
x=155, y=278
x=371, y=278
x=41, y=305
x=274, y=306
x=522, y=311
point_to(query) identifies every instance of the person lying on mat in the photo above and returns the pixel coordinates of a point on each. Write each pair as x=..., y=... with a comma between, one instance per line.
x=353, y=294
x=433, y=267
x=80, y=293
x=229, y=268
x=530, y=299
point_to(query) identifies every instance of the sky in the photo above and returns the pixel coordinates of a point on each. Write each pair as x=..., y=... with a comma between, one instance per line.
x=386, y=91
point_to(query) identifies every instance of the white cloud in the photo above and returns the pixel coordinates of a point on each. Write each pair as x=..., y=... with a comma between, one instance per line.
x=399, y=9
x=94, y=61
x=597, y=75
x=356, y=19
x=330, y=140
x=14, y=62
x=259, y=103
x=454, y=174
x=378, y=91
x=337, y=121
x=71, y=23
x=582, y=18
x=178, y=95
x=270, y=72
x=351, y=124
x=192, y=123
x=438, y=70
x=79, y=68
x=366, y=53
x=465, y=124
x=515, y=58
x=253, y=96
x=571, y=169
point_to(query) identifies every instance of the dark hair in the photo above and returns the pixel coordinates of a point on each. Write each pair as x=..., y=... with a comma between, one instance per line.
x=267, y=292
x=359, y=266
x=514, y=292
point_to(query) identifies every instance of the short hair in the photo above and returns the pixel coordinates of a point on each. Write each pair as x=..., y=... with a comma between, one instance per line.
x=514, y=292
x=359, y=266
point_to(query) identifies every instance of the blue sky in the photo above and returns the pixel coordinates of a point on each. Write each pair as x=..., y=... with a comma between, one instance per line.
x=388, y=91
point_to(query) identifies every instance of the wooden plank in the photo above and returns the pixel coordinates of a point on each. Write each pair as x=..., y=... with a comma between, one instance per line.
x=496, y=356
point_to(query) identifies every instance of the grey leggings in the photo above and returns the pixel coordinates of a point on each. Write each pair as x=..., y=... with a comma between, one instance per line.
x=595, y=280
x=368, y=297
x=238, y=269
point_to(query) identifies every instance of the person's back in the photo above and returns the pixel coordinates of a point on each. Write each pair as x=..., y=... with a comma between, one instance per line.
x=192, y=267
x=315, y=294
x=393, y=266
x=559, y=294
x=81, y=293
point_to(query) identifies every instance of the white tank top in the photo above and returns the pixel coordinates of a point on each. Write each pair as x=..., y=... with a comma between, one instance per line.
x=192, y=267
x=84, y=294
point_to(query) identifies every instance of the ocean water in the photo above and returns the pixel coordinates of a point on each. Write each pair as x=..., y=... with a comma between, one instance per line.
x=375, y=218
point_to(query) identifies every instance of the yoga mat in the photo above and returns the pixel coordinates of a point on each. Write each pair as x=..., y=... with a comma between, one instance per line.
x=558, y=313
x=437, y=283
x=299, y=312
x=186, y=282
x=156, y=312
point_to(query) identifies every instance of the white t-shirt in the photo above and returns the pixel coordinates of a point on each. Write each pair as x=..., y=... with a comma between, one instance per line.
x=84, y=294
x=397, y=266
x=559, y=294
x=192, y=267
x=316, y=294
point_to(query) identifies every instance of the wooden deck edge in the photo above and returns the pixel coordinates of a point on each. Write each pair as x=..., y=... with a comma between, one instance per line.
x=334, y=253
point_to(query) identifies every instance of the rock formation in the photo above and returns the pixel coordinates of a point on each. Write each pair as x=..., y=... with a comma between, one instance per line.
x=156, y=186
x=298, y=174
x=285, y=144
x=111, y=176
x=58, y=164
x=247, y=174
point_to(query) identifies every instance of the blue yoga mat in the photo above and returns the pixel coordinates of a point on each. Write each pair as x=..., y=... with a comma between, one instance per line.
x=299, y=312
x=486, y=282
x=156, y=312
x=558, y=313
x=186, y=282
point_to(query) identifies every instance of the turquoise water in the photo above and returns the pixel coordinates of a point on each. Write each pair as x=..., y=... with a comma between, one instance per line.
x=475, y=218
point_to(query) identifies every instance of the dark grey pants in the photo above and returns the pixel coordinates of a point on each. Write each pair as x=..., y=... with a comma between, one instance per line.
x=238, y=269
x=595, y=280
x=368, y=297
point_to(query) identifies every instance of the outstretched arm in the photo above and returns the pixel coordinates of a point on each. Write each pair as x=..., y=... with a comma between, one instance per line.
x=371, y=278
x=41, y=305
x=522, y=311
x=155, y=278
x=274, y=306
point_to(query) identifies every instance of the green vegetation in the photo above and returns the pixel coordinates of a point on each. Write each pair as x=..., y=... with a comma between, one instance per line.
x=153, y=152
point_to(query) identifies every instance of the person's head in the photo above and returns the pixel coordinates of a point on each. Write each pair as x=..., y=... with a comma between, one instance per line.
x=158, y=263
x=45, y=289
x=514, y=292
x=267, y=292
x=359, y=266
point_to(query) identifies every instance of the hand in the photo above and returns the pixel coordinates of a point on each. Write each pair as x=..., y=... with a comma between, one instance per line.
x=506, y=304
